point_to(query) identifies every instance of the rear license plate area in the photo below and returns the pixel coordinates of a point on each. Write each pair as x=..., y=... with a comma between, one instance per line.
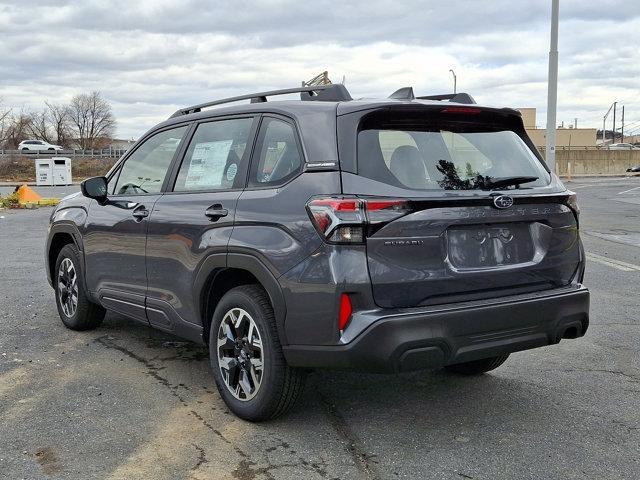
x=477, y=247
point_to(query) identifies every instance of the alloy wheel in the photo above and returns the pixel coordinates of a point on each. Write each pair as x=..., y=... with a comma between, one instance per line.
x=68, y=287
x=240, y=354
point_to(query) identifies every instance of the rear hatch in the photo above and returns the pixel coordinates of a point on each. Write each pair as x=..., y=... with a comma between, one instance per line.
x=477, y=214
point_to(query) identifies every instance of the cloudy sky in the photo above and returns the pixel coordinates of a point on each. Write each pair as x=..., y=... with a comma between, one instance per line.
x=150, y=57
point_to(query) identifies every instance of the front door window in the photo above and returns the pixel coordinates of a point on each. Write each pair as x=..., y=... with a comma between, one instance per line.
x=144, y=171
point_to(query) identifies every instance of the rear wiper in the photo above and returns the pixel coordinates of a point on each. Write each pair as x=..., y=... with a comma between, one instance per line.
x=492, y=183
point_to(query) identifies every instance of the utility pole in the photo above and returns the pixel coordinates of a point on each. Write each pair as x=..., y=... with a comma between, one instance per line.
x=615, y=106
x=604, y=124
x=455, y=81
x=622, y=129
x=552, y=92
x=575, y=122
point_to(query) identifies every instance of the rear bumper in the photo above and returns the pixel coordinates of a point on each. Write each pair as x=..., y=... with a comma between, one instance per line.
x=414, y=339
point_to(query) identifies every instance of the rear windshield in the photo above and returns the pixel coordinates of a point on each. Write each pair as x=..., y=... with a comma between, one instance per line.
x=440, y=153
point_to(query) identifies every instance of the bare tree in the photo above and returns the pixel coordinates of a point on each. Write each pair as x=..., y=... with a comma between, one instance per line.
x=5, y=117
x=92, y=121
x=58, y=118
x=17, y=129
x=38, y=126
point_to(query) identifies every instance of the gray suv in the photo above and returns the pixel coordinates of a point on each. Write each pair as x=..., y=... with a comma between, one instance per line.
x=383, y=235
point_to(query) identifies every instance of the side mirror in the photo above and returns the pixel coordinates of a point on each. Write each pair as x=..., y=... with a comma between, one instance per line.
x=96, y=188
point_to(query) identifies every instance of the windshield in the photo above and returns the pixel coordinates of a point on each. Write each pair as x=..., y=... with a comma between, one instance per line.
x=452, y=157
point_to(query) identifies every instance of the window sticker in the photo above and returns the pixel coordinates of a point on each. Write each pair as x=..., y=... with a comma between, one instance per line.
x=231, y=172
x=206, y=167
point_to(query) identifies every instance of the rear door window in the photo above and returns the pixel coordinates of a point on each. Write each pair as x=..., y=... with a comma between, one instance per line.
x=443, y=154
x=278, y=157
x=217, y=156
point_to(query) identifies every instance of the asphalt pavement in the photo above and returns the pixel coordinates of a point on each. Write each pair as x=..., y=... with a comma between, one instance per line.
x=128, y=402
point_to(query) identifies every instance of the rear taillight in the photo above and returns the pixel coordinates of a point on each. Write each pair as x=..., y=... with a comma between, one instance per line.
x=349, y=219
x=572, y=203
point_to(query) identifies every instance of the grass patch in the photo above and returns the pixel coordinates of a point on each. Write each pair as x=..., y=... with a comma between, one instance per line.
x=9, y=201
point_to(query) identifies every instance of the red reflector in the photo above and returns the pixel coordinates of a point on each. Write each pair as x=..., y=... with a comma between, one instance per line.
x=345, y=311
x=466, y=110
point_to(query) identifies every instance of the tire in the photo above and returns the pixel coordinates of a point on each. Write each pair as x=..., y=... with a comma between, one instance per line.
x=86, y=315
x=477, y=367
x=255, y=381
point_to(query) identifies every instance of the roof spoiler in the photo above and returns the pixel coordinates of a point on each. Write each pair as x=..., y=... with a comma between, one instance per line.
x=406, y=93
x=325, y=93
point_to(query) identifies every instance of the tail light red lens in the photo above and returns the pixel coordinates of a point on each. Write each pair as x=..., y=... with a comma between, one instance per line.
x=331, y=215
x=346, y=219
x=344, y=315
x=375, y=205
x=572, y=202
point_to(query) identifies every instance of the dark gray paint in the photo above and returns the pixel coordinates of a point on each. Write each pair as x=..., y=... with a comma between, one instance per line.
x=161, y=265
x=180, y=238
x=472, y=250
x=114, y=245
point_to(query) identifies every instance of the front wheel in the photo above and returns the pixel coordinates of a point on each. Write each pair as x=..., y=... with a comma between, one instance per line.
x=248, y=365
x=76, y=311
x=478, y=367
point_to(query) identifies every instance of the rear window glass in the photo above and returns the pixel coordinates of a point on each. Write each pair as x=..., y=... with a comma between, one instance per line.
x=445, y=155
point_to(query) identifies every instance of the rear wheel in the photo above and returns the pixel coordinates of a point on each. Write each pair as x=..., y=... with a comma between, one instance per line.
x=76, y=311
x=477, y=367
x=249, y=368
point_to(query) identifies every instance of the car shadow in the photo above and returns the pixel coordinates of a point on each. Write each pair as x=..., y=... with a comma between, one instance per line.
x=420, y=417
x=435, y=395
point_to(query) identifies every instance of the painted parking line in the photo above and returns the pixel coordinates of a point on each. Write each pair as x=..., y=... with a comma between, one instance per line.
x=630, y=190
x=609, y=262
x=578, y=186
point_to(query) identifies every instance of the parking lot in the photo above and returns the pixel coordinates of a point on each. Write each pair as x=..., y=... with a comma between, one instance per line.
x=128, y=402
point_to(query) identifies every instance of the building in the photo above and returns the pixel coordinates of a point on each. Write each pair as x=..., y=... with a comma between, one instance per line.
x=634, y=139
x=565, y=137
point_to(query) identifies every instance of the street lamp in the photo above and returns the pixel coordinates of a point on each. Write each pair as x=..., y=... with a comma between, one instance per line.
x=454, y=80
x=552, y=92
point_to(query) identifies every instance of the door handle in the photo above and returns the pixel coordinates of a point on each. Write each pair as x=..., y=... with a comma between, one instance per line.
x=214, y=212
x=140, y=212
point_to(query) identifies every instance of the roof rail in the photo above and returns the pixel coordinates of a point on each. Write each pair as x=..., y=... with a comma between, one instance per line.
x=326, y=93
x=335, y=92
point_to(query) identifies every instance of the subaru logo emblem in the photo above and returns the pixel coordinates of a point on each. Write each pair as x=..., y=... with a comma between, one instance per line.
x=503, y=201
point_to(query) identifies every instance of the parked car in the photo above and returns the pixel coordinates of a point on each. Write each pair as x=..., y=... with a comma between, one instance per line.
x=622, y=146
x=382, y=235
x=37, y=145
x=634, y=169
